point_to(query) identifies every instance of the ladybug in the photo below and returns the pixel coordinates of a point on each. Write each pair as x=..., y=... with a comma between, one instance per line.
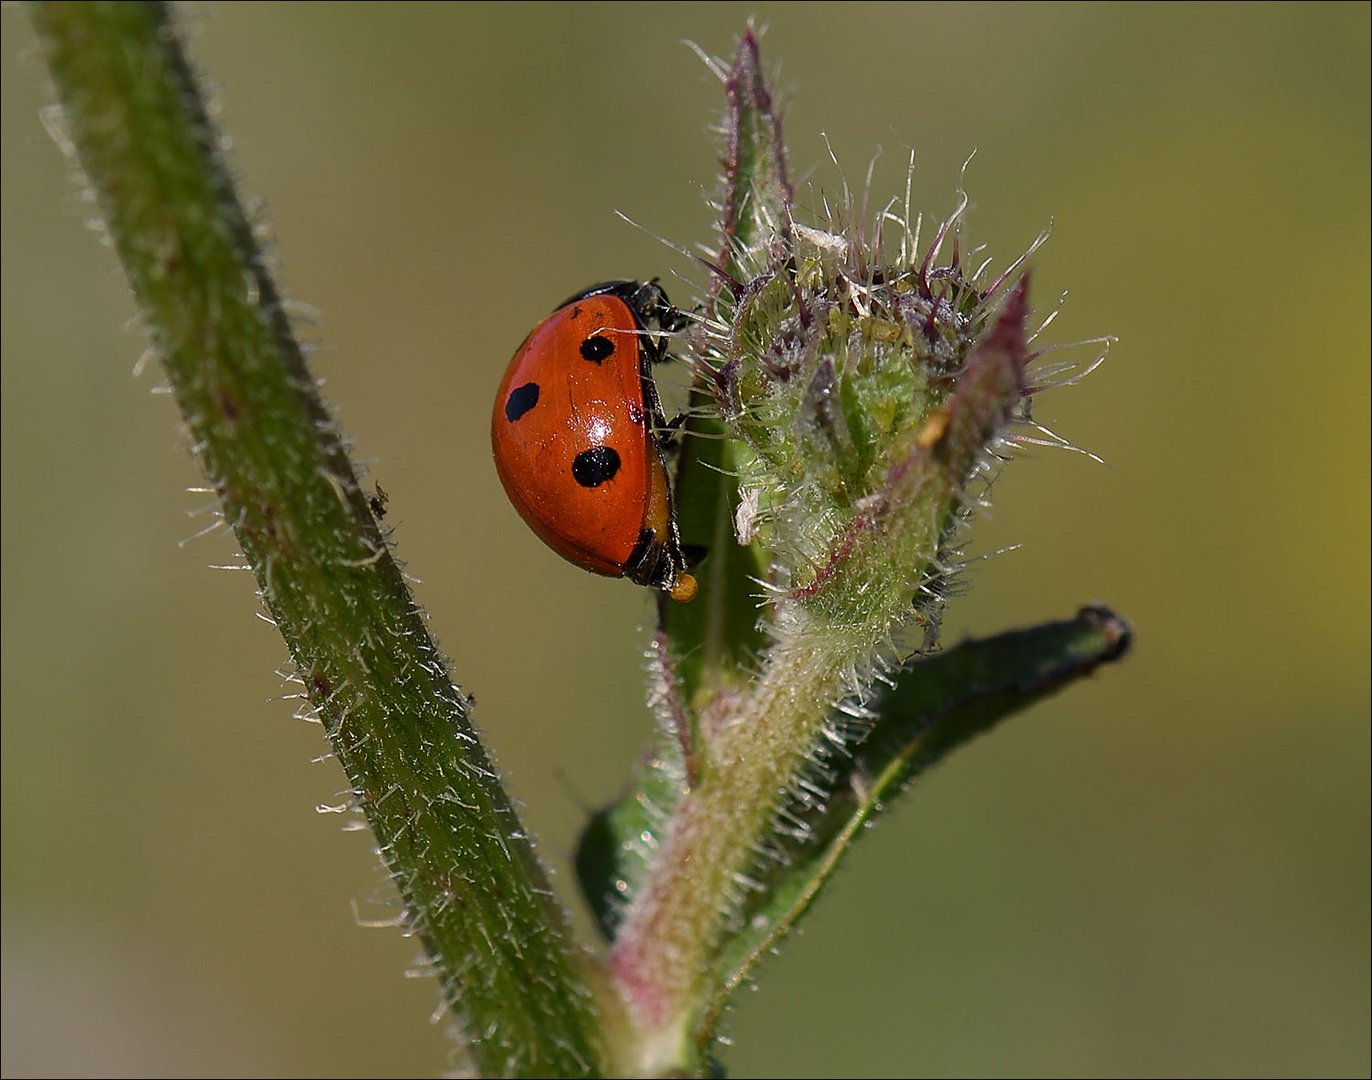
x=578, y=433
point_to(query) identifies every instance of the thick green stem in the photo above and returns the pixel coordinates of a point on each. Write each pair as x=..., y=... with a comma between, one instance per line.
x=472, y=886
x=664, y=948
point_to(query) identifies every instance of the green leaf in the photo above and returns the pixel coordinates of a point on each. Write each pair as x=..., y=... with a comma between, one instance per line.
x=615, y=848
x=712, y=643
x=936, y=705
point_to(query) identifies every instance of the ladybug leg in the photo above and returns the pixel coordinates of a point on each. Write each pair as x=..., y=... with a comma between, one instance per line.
x=693, y=555
x=671, y=318
x=664, y=431
x=665, y=436
x=669, y=430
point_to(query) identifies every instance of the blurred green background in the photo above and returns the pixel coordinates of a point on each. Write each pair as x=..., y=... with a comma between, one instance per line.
x=1164, y=871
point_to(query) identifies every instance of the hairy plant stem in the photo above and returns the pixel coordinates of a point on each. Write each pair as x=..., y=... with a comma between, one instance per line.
x=472, y=888
x=752, y=699
x=664, y=948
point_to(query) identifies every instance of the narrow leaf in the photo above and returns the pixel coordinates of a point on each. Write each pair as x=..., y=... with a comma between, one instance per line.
x=937, y=705
x=712, y=642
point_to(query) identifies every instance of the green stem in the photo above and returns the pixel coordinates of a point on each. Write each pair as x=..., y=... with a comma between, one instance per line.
x=664, y=949
x=472, y=886
x=937, y=705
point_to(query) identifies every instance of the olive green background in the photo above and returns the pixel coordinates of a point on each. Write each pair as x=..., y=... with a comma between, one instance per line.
x=1163, y=871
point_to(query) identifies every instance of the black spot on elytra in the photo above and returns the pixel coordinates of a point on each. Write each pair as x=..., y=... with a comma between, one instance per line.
x=521, y=400
x=593, y=467
x=596, y=348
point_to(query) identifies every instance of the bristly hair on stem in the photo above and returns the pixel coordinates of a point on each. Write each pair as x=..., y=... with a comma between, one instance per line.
x=855, y=389
x=856, y=392
x=473, y=889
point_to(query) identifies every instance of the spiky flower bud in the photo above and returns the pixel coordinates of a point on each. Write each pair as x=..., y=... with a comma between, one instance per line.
x=853, y=390
x=868, y=400
x=847, y=407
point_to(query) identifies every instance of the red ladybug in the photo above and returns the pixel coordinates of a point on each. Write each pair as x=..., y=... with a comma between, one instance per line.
x=577, y=433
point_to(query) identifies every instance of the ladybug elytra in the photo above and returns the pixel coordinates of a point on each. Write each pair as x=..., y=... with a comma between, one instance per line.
x=577, y=433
